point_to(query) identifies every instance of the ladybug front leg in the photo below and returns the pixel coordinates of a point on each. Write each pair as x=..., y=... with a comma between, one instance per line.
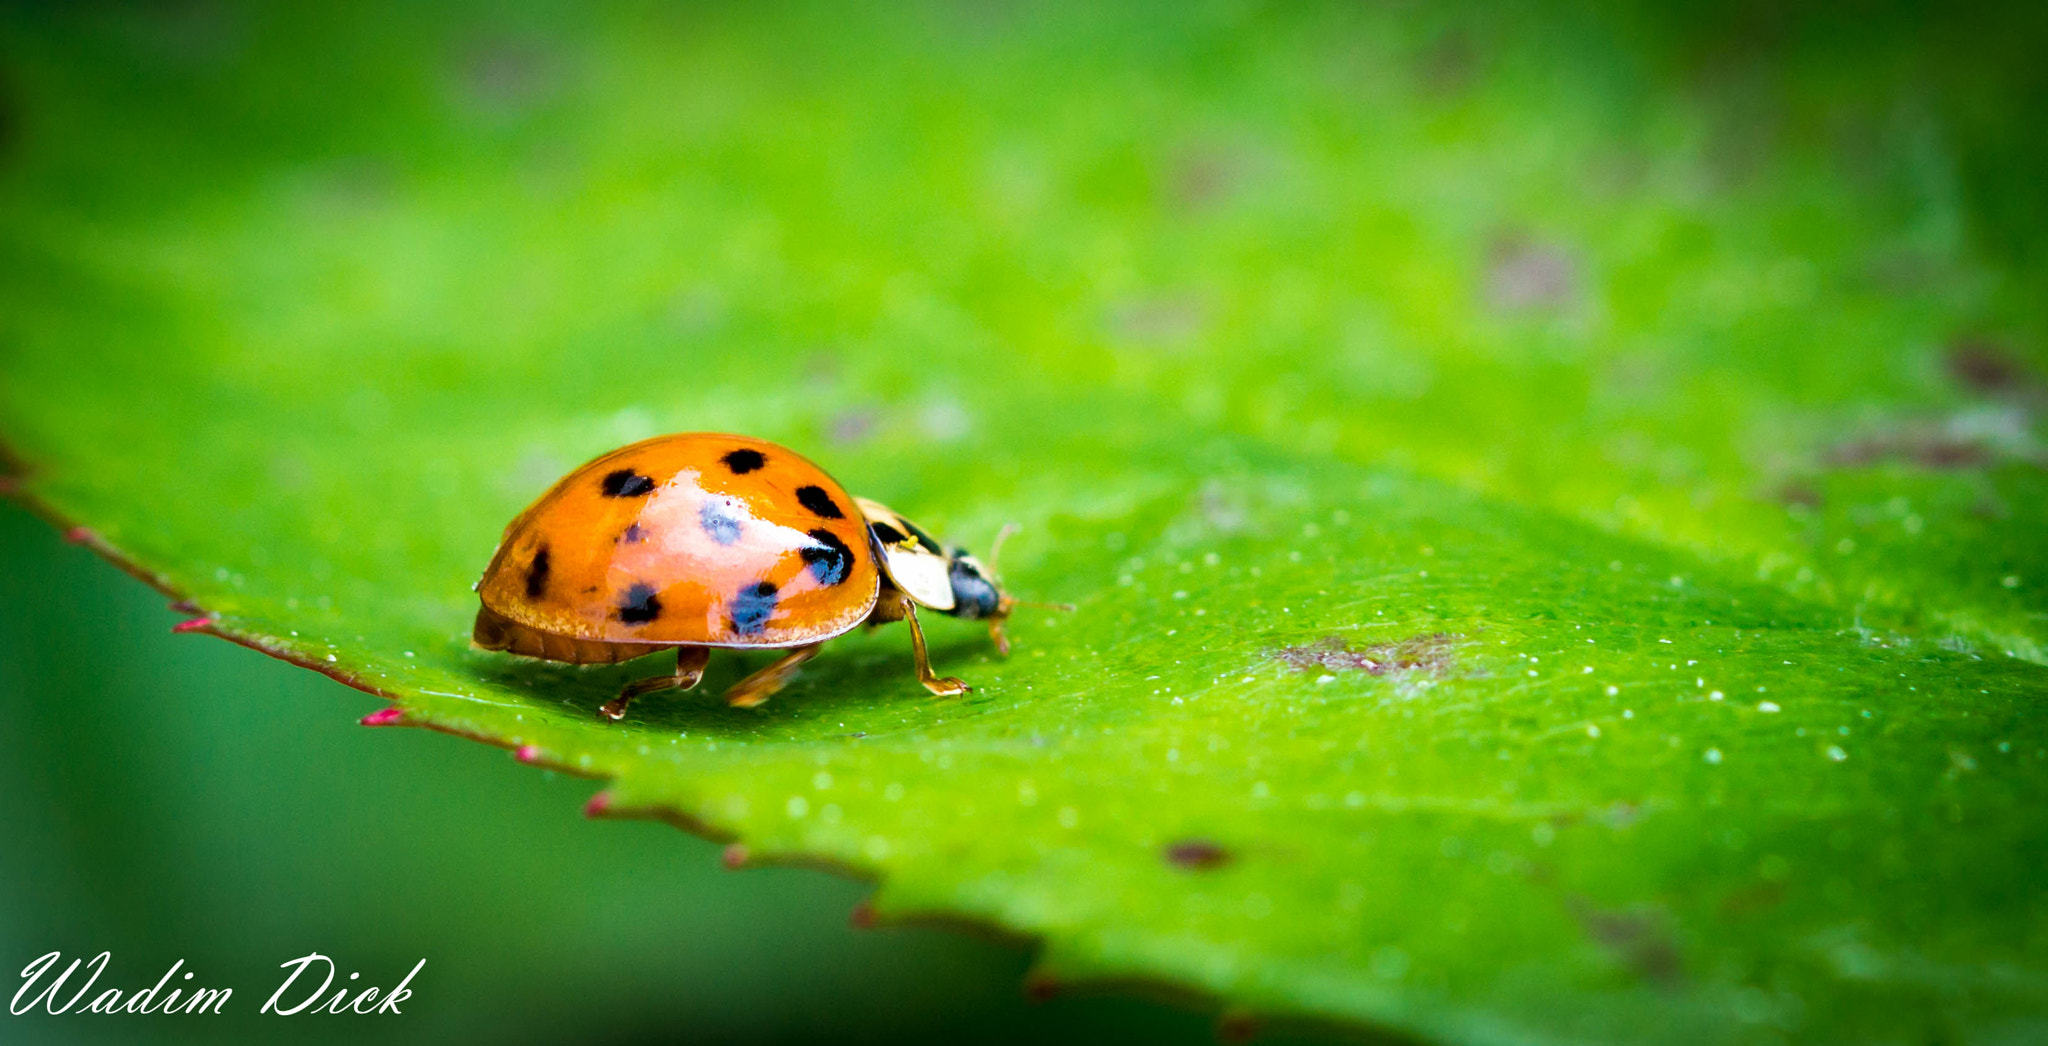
x=759, y=687
x=945, y=686
x=690, y=662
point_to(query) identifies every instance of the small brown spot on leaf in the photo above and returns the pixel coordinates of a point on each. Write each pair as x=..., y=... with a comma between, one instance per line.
x=1449, y=65
x=1640, y=936
x=1161, y=322
x=1984, y=368
x=1236, y=1026
x=1041, y=987
x=1524, y=275
x=1198, y=855
x=1429, y=653
x=505, y=76
x=1751, y=900
x=1206, y=176
x=851, y=426
x=1221, y=507
x=1624, y=813
x=1914, y=445
x=1800, y=495
x=1990, y=506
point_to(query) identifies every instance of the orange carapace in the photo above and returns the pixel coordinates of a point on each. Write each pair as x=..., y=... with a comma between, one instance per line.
x=703, y=540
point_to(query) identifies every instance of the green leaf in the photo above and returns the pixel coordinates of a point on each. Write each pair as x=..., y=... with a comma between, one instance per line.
x=1535, y=582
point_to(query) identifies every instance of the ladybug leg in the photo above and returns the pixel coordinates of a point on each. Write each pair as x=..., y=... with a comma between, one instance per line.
x=939, y=686
x=690, y=662
x=759, y=687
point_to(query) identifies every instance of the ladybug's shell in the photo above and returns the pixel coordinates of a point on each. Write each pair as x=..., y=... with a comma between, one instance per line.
x=694, y=539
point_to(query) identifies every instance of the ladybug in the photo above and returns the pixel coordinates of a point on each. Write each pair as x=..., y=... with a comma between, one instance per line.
x=702, y=540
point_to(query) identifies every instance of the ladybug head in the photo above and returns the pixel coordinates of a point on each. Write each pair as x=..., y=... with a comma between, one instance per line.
x=977, y=595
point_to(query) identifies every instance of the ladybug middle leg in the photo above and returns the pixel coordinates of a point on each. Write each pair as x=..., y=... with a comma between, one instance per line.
x=690, y=662
x=940, y=686
x=759, y=687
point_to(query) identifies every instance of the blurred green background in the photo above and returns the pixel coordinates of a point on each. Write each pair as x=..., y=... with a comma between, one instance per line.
x=1723, y=277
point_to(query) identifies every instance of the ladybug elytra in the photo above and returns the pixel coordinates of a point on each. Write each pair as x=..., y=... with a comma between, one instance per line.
x=701, y=540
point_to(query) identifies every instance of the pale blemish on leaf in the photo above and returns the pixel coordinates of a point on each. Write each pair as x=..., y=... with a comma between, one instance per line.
x=1431, y=654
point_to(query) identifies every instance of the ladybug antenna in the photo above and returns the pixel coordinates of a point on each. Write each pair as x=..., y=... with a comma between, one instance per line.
x=995, y=550
x=1041, y=606
x=1006, y=603
x=1004, y=607
x=1009, y=602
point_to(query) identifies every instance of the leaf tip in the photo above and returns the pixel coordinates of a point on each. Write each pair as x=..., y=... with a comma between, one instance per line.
x=734, y=857
x=193, y=624
x=384, y=716
x=527, y=753
x=598, y=805
x=80, y=535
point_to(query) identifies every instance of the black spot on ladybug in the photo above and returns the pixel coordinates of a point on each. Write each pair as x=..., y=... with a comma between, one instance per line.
x=626, y=483
x=751, y=607
x=815, y=499
x=640, y=605
x=633, y=534
x=829, y=559
x=719, y=521
x=1197, y=854
x=537, y=574
x=887, y=534
x=743, y=461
